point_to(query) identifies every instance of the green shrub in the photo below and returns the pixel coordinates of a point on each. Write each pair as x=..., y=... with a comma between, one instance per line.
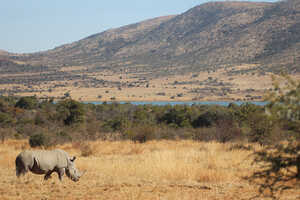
x=177, y=116
x=261, y=127
x=38, y=140
x=211, y=116
x=71, y=111
x=242, y=113
x=227, y=130
x=116, y=124
x=203, y=120
x=40, y=119
x=27, y=103
x=6, y=119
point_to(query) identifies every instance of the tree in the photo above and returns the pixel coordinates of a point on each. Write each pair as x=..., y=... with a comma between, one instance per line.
x=71, y=111
x=280, y=163
x=211, y=116
x=38, y=140
x=177, y=116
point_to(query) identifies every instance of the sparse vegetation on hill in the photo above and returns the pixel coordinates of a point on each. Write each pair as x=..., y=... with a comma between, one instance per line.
x=248, y=41
x=208, y=36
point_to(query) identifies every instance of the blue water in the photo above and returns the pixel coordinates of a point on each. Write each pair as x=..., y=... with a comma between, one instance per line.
x=162, y=103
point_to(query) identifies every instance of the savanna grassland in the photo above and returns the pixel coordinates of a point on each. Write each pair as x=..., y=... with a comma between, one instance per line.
x=126, y=170
x=130, y=151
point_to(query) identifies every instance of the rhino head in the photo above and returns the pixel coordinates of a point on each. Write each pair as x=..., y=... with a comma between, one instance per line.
x=71, y=171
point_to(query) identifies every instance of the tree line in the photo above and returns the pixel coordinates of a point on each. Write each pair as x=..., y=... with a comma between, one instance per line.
x=68, y=120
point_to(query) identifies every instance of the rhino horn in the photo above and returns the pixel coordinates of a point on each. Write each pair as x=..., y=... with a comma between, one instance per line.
x=81, y=173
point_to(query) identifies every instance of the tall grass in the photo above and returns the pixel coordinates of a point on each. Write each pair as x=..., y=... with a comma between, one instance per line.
x=127, y=170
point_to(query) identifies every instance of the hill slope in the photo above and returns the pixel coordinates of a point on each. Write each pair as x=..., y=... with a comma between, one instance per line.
x=215, y=51
x=205, y=37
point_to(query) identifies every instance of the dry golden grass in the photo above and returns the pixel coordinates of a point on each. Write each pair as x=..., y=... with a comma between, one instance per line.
x=125, y=170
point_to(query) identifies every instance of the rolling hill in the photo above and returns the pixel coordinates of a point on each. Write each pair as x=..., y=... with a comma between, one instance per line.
x=207, y=36
x=218, y=42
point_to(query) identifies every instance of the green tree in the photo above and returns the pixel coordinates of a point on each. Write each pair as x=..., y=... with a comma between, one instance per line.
x=71, y=111
x=38, y=140
x=261, y=127
x=211, y=116
x=242, y=113
x=177, y=116
x=280, y=163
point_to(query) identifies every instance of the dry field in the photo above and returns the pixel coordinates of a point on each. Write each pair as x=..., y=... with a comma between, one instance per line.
x=125, y=170
x=208, y=86
x=225, y=84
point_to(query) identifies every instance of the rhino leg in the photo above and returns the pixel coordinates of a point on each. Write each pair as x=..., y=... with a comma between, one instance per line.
x=20, y=172
x=48, y=175
x=61, y=173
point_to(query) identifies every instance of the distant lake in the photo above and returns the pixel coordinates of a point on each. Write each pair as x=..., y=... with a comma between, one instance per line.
x=163, y=103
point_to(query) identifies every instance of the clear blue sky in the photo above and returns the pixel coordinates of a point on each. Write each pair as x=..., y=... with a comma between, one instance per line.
x=35, y=25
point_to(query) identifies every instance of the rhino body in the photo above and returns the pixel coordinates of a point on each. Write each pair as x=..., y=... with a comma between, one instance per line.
x=47, y=162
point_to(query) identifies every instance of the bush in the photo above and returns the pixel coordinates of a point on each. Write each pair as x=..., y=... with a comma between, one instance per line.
x=261, y=128
x=227, y=130
x=40, y=119
x=140, y=134
x=116, y=124
x=86, y=150
x=6, y=119
x=204, y=134
x=279, y=162
x=178, y=116
x=38, y=140
x=71, y=111
x=27, y=103
x=241, y=114
x=211, y=116
x=203, y=120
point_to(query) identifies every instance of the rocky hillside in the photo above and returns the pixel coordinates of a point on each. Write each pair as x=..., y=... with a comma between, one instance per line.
x=206, y=37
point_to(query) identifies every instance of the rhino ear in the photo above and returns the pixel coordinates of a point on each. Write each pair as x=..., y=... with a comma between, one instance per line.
x=73, y=158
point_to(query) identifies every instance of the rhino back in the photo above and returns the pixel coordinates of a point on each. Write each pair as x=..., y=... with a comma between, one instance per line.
x=48, y=160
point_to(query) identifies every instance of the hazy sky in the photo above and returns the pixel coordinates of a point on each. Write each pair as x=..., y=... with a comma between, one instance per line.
x=35, y=25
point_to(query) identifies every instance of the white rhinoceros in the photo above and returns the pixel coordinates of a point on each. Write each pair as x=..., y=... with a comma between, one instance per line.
x=46, y=162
